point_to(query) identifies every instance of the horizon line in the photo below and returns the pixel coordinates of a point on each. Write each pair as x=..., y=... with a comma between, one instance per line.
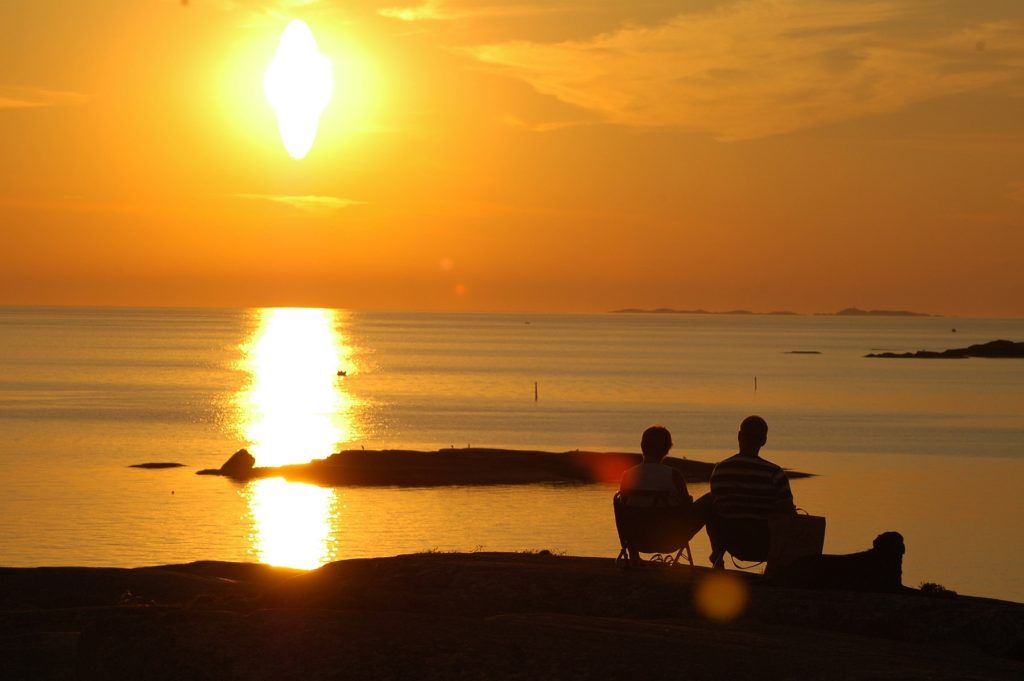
x=659, y=311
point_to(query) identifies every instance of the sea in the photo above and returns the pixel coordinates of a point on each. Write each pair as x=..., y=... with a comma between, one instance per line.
x=933, y=449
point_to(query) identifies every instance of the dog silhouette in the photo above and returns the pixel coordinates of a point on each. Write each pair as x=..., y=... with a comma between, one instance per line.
x=879, y=569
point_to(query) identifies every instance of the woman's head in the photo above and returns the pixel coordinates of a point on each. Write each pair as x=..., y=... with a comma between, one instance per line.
x=655, y=443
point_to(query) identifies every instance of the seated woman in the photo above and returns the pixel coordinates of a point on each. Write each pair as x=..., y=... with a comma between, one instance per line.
x=655, y=512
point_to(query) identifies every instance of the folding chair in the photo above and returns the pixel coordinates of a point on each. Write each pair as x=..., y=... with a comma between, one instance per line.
x=774, y=542
x=653, y=522
x=744, y=539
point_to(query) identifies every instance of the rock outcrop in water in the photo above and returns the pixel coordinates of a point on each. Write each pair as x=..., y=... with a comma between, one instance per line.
x=470, y=466
x=239, y=465
x=1000, y=349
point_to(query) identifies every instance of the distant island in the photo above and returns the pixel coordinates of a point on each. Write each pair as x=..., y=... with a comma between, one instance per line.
x=669, y=310
x=469, y=466
x=999, y=349
x=845, y=312
x=857, y=312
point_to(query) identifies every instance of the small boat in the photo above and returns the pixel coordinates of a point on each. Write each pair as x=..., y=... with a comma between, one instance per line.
x=342, y=372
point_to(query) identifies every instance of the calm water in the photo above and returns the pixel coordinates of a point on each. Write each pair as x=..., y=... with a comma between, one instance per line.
x=934, y=449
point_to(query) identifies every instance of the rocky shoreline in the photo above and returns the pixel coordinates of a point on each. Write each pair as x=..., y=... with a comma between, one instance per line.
x=469, y=466
x=483, y=616
x=997, y=349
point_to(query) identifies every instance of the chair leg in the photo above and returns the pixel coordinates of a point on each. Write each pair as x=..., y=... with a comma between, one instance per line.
x=688, y=553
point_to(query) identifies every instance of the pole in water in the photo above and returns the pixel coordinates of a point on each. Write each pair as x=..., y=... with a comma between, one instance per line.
x=755, y=384
x=535, y=391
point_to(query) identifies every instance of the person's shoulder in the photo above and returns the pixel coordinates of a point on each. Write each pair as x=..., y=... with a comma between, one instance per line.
x=730, y=461
x=769, y=464
x=628, y=476
x=723, y=466
x=634, y=470
x=656, y=470
x=739, y=462
x=649, y=476
x=651, y=466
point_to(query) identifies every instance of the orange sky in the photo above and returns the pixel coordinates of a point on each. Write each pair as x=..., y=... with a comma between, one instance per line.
x=787, y=154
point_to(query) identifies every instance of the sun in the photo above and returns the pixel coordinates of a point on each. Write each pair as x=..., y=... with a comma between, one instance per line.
x=298, y=84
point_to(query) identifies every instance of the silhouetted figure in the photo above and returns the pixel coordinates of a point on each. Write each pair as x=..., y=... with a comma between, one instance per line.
x=746, y=491
x=880, y=568
x=662, y=489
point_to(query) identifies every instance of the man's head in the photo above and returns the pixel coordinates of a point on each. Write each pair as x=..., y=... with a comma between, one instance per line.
x=753, y=434
x=655, y=443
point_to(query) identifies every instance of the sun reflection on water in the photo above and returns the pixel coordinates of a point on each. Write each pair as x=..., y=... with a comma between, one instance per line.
x=295, y=409
x=293, y=523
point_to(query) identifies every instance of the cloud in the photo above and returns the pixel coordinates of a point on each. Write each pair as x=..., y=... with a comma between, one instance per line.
x=753, y=69
x=548, y=126
x=13, y=97
x=432, y=10
x=261, y=13
x=319, y=205
x=428, y=10
x=271, y=5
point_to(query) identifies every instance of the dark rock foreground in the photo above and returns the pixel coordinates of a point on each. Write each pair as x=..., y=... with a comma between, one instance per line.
x=470, y=466
x=480, y=616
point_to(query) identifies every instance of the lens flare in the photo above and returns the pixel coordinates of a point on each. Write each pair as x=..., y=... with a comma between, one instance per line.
x=721, y=596
x=298, y=85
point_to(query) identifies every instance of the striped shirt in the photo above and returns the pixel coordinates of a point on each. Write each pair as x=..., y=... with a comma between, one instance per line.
x=749, y=487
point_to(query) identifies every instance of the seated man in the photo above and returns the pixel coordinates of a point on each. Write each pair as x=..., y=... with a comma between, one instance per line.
x=746, y=491
x=652, y=483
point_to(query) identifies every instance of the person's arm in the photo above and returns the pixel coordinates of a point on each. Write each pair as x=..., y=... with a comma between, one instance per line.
x=680, y=484
x=784, y=498
x=626, y=482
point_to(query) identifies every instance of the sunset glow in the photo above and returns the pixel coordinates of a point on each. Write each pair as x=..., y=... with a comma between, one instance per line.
x=298, y=85
x=798, y=155
x=374, y=338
